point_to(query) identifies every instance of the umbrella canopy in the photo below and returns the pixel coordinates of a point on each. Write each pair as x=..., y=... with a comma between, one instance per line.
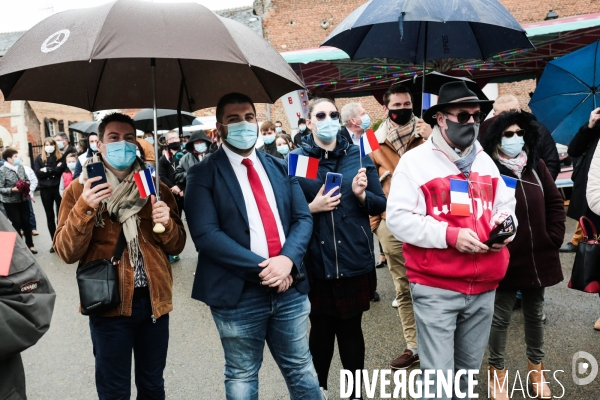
x=418, y=31
x=85, y=127
x=435, y=80
x=100, y=58
x=568, y=92
x=167, y=119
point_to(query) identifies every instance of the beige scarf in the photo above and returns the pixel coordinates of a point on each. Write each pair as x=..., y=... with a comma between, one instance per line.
x=401, y=136
x=123, y=206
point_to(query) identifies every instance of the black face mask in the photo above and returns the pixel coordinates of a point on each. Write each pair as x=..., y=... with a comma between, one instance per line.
x=401, y=116
x=174, y=146
x=462, y=135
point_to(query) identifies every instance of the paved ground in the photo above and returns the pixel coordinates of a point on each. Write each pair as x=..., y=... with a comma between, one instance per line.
x=61, y=365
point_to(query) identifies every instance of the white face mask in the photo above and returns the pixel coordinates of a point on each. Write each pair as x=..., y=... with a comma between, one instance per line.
x=49, y=149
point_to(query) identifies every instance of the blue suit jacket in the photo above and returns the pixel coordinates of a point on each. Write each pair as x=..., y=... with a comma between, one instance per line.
x=218, y=223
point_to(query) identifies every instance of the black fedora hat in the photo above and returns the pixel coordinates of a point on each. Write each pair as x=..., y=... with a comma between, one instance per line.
x=453, y=94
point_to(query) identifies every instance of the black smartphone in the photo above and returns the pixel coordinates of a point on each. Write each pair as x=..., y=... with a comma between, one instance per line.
x=502, y=231
x=94, y=170
x=333, y=179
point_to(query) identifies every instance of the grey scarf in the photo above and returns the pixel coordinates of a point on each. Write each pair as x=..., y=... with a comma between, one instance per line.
x=463, y=161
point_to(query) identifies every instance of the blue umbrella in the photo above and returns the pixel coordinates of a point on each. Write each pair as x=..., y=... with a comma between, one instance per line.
x=568, y=92
x=418, y=31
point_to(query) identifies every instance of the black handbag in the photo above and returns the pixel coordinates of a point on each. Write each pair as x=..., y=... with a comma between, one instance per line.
x=98, y=282
x=586, y=268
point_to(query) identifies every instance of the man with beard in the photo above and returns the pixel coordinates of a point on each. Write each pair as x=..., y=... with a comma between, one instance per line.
x=399, y=133
x=445, y=198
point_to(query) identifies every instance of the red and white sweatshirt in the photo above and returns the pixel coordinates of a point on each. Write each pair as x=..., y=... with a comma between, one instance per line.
x=418, y=214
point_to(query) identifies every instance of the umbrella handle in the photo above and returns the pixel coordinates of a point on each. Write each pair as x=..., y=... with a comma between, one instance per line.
x=158, y=228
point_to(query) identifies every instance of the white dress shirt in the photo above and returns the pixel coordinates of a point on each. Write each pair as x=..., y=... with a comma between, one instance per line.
x=33, y=181
x=258, y=238
x=355, y=139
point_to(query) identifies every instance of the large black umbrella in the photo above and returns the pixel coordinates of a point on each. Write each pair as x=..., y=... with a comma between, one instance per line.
x=137, y=54
x=418, y=31
x=85, y=127
x=166, y=119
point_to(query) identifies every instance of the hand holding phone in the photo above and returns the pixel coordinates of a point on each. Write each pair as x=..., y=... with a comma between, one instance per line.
x=332, y=180
x=96, y=188
x=501, y=232
x=94, y=170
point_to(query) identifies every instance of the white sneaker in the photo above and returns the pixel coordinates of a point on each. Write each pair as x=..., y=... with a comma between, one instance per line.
x=395, y=303
x=324, y=394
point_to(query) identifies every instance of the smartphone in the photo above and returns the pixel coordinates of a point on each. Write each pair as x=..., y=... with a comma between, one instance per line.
x=502, y=231
x=333, y=179
x=94, y=170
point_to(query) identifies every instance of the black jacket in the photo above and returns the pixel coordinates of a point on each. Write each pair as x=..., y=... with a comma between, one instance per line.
x=70, y=149
x=26, y=305
x=54, y=170
x=300, y=135
x=582, y=149
x=166, y=170
x=271, y=149
x=341, y=245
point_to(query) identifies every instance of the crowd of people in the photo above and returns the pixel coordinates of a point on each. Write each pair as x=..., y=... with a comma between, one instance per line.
x=277, y=250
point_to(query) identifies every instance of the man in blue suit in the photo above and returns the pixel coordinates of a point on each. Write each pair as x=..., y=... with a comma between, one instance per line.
x=251, y=225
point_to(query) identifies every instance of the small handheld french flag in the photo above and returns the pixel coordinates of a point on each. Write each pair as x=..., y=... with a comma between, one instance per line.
x=511, y=184
x=460, y=203
x=302, y=166
x=143, y=180
x=368, y=143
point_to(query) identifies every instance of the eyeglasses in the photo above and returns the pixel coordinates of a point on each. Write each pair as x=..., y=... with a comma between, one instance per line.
x=509, y=134
x=322, y=115
x=463, y=117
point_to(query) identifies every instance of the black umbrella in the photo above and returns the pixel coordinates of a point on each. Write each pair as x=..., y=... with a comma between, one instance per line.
x=137, y=54
x=419, y=31
x=166, y=119
x=85, y=127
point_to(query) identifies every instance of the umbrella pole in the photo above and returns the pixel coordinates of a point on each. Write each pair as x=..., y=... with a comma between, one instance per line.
x=424, y=66
x=158, y=227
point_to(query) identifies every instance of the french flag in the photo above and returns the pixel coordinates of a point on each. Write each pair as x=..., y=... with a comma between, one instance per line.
x=511, y=184
x=460, y=203
x=143, y=180
x=368, y=143
x=302, y=166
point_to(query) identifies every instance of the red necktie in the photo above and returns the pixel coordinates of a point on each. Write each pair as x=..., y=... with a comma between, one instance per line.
x=266, y=214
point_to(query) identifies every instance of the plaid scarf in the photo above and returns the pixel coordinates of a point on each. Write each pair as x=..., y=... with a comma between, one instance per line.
x=516, y=165
x=401, y=136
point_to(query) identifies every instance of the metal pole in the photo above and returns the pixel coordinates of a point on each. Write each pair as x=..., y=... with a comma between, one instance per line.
x=424, y=66
x=158, y=228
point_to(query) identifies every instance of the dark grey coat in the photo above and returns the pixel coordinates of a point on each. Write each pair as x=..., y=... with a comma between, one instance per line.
x=26, y=305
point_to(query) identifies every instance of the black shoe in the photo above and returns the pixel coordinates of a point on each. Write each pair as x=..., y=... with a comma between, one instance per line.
x=376, y=297
x=517, y=304
x=568, y=248
x=33, y=250
x=52, y=250
x=381, y=264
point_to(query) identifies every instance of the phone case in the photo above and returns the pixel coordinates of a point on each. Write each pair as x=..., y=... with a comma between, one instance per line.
x=94, y=170
x=333, y=179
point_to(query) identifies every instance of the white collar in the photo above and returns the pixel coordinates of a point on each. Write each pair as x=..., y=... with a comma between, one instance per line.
x=11, y=167
x=237, y=159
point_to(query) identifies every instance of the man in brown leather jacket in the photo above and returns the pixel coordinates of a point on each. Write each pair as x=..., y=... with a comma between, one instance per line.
x=399, y=133
x=90, y=222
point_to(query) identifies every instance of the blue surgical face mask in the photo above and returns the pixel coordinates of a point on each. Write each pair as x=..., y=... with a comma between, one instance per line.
x=71, y=165
x=268, y=139
x=120, y=155
x=365, y=122
x=328, y=129
x=301, y=128
x=512, y=146
x=94, y=146
x=150, y=139
x=200, y=147
x=61, y=145
x=278, y=129
x=17, y=161
x=242, y=135
x=283, y=149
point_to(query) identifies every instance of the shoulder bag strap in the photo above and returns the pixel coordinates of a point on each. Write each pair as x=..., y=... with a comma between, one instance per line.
x=119, y=248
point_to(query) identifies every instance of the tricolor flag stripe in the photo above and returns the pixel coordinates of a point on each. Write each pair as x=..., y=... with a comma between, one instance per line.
x=511, y=184
x=143, y=180
x=368, y=143
x=303, y=166
x=460, y=203
x=459, y=197
x=460, y=209
x=459, y=186
x=140, y=185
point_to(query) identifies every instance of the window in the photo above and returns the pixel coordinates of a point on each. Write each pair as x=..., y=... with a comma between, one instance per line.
x=61, y=126
x=50, y=128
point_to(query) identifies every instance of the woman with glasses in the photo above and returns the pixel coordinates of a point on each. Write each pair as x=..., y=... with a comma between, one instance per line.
x=339, y=261
x=513, y=142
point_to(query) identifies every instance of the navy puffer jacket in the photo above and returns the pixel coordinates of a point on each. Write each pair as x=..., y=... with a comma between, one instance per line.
x=342, y=243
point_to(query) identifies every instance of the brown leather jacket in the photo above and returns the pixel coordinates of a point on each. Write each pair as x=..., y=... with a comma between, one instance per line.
x=78, y=240
x=386, y=159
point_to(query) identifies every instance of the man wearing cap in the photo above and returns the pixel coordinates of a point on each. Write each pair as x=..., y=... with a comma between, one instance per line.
x=452, y=273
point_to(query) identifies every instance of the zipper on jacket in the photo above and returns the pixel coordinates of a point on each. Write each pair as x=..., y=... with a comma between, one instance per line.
x=149, y=285
x=368, y=242
x=337, y=268
x=531, y=236
x=475, y=229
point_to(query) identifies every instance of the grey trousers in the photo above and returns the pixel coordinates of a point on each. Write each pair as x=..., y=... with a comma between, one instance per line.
x=452, y=329
x=533, y=309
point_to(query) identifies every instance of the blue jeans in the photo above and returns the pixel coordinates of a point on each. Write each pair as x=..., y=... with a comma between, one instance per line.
x=282, y=320
x=114, y=339
x=32, y=217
